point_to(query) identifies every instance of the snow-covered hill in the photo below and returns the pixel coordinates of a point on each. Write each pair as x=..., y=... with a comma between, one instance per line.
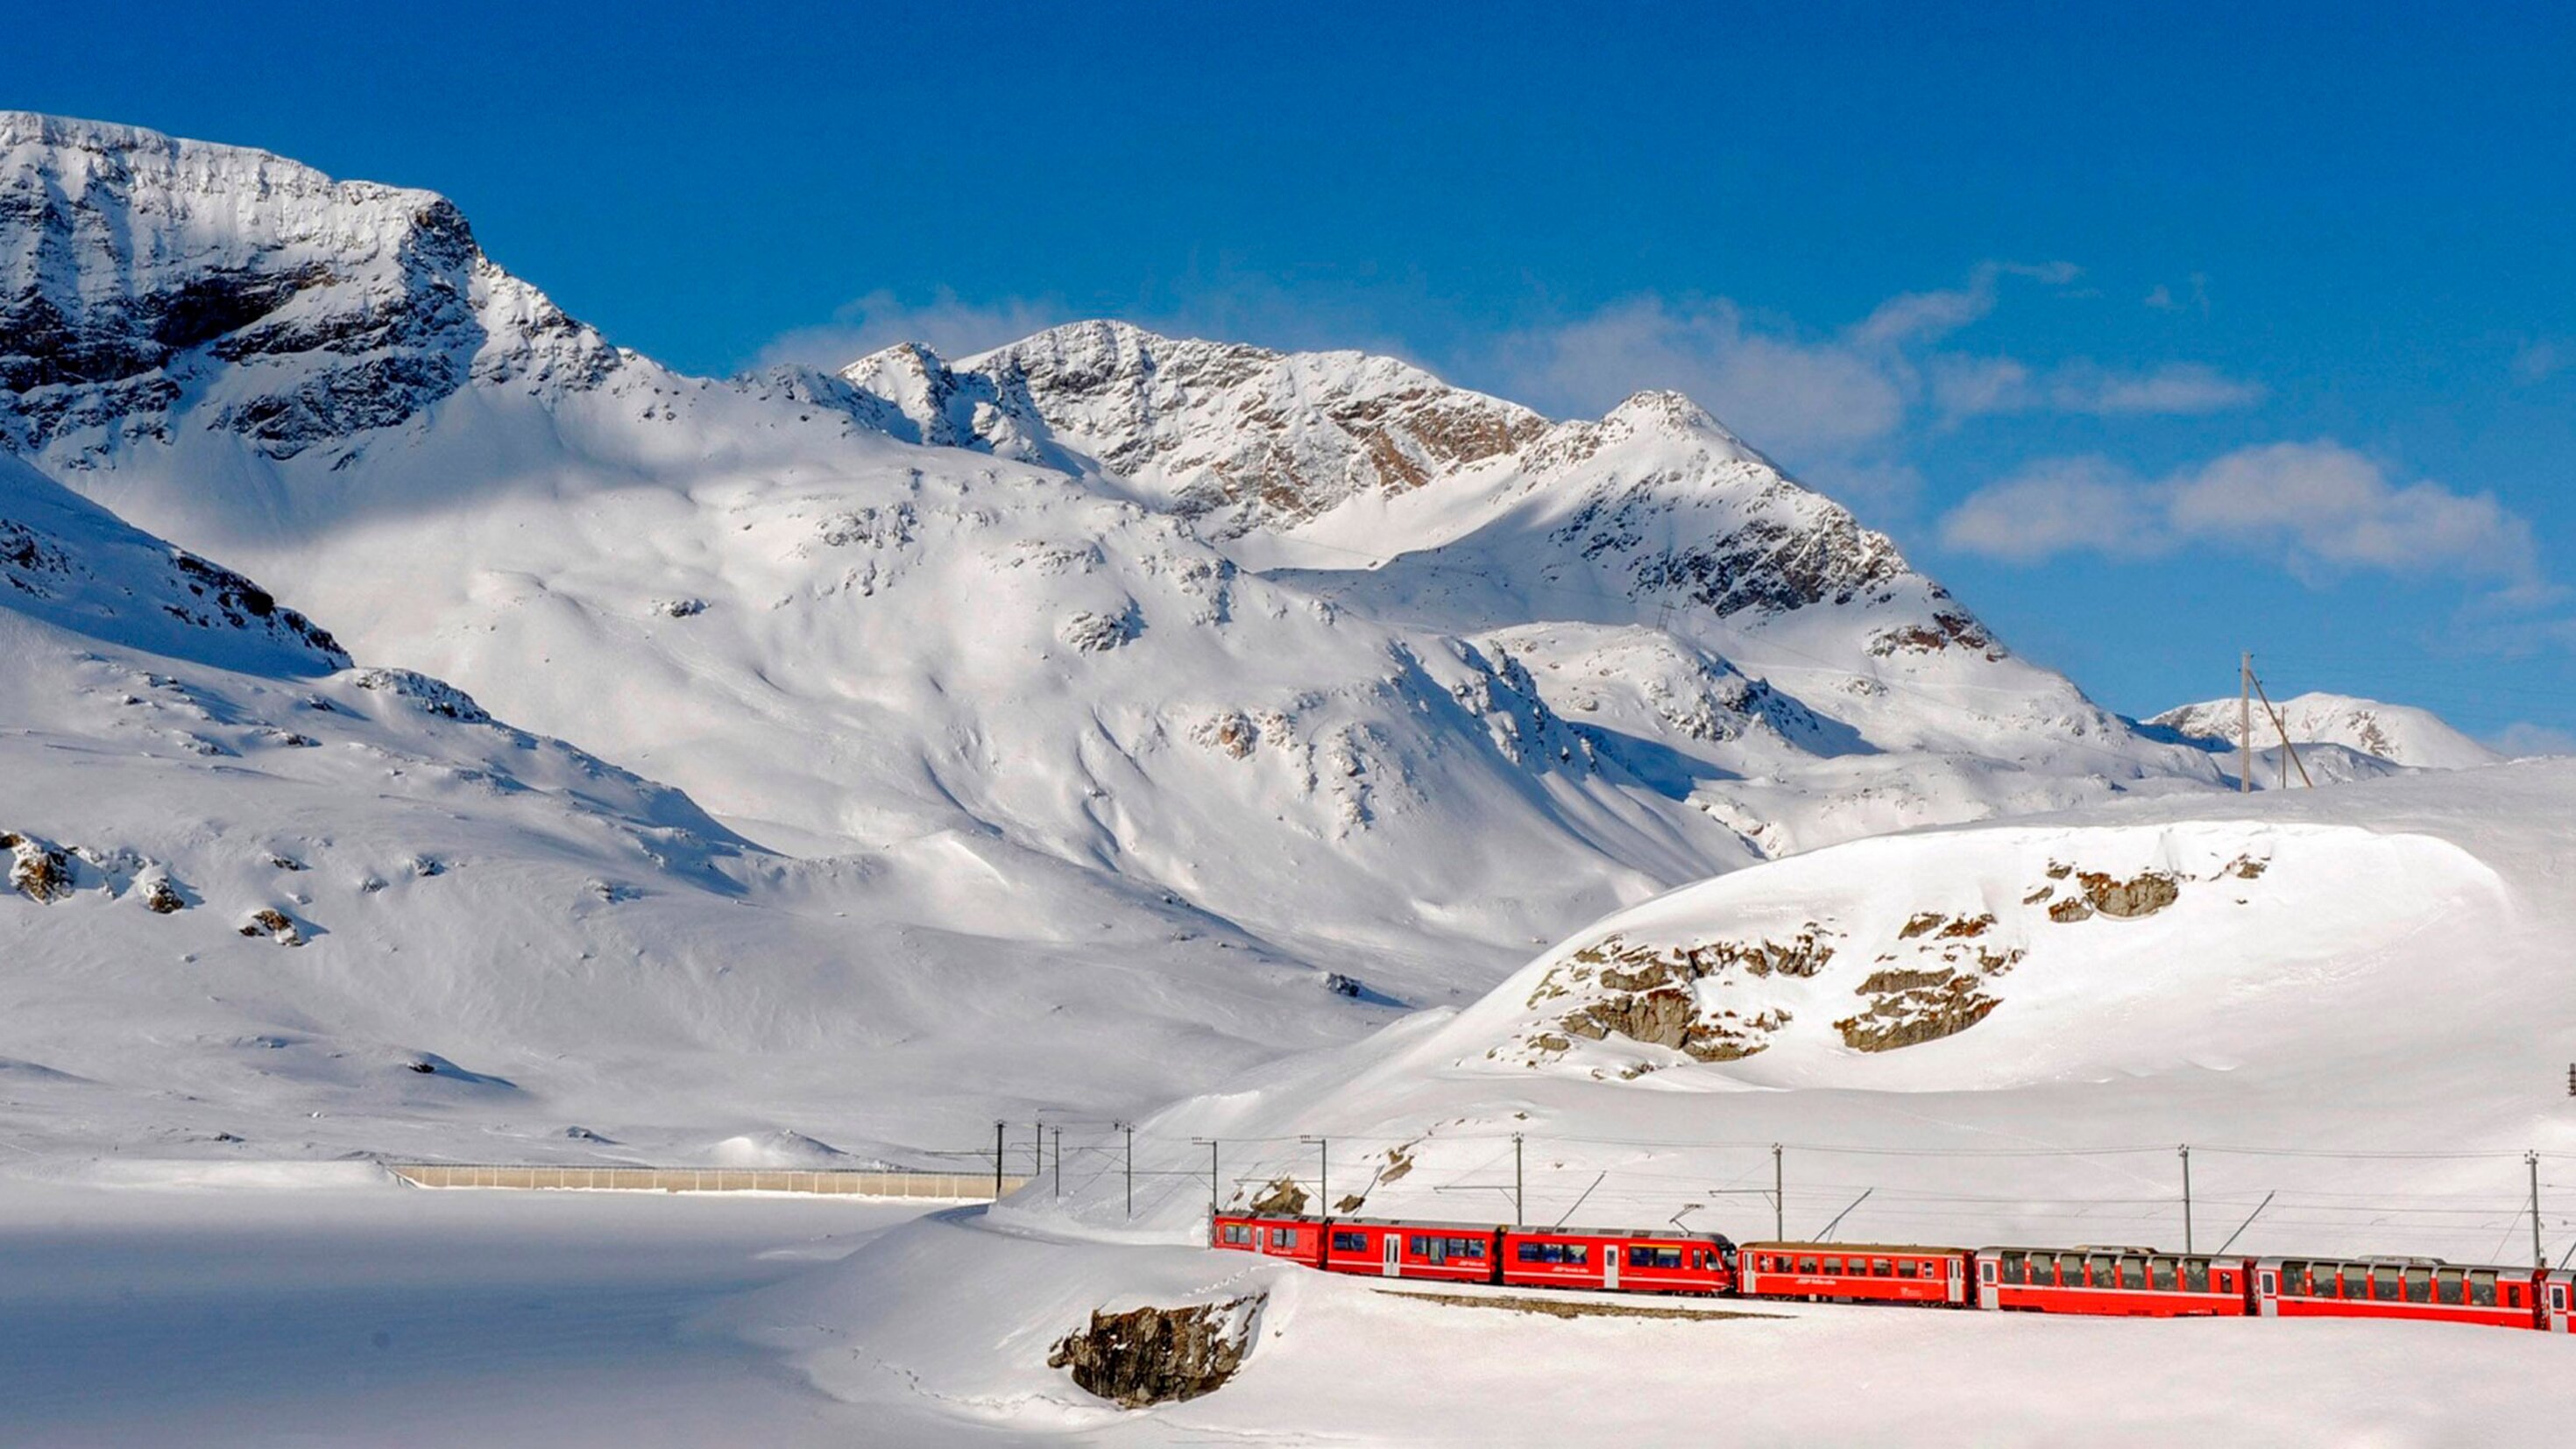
x=1999, y=1033
x=258, y=902
x=2401, y=734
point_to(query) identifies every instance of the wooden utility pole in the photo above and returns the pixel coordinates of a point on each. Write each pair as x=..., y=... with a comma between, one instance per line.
x=1059, y=1162
x=2245, y=722
x=2289, y=752
x=997, y=1162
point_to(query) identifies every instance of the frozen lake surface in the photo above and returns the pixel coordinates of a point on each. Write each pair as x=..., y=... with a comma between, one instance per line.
x=349, y=1314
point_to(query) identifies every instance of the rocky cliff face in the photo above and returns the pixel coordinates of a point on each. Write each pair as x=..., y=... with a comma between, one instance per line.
x=1238, y=437
x=149, y=284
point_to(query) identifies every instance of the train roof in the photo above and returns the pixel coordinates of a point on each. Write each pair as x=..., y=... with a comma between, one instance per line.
x=2274, y=1260
x=1667, y=1233
x=1847, y=1249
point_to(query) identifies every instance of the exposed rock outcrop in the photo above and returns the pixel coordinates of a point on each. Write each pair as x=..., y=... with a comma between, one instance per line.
x=1151, y=1356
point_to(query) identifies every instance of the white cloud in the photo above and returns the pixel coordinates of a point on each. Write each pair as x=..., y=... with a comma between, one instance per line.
x=2321, y=506
x=1966, y=387
x=1838, y=399
x=2522, y=739
x=1779, y=390
x=2177, y=387
x=947, y=325
x=2065, y=505
x=2541, y=359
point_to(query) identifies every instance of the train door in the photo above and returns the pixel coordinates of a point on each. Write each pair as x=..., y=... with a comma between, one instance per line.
x=1610, y=1265
x=1956, y=1290
x=1394, y=1249
x=1988, y=1296
x=2557, y=1301
x=2267, y=1291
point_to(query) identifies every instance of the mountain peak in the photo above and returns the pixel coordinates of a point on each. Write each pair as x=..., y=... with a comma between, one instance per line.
x=144, y=277
x=2398, y=733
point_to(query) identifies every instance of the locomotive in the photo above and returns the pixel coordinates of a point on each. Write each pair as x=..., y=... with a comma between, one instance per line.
x=2121, y=1281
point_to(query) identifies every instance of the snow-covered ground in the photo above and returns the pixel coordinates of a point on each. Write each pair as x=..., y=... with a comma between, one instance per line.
x=324, y=1305
x=954, y=1315
x=2346, y=1005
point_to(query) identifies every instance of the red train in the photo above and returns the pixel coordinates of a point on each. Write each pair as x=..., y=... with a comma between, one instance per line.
x=2130, y=1282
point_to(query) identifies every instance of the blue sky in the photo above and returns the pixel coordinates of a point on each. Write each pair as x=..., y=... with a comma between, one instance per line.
x=2158, y=332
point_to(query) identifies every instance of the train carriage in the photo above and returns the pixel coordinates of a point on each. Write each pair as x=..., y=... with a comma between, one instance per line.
x=1299, y=1240
x=2422, y=1288
x=1636, y=1260
x=1388, y=1248
x=2136, y=1282
x=1861, y=1272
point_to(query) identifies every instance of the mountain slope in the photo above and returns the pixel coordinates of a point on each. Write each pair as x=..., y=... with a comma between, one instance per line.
x=2398, y=733
x=260, y=902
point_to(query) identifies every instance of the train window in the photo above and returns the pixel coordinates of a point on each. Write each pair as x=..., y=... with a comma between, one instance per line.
x=2041, y=1270
x=1806, y=1265
x=2070, y=1270
x=2160, y=1274
x=1475, y=1247
x=1577, y=1254
x=2195, y=1275
x=2383, y=1284
x=1908, y=1268
x=1238, y=1233
x=1527, y=1252
x=2513, y=1295
x=1640, y=1257
x=1350, y=1242
x=1553, y=1252
x=2419, y=1285
x=1881, y=1268
x=1834, y=1266
x=1418, y=1246
x=2012, y=1263
x=2133, y=1273
x=2101, y=1274
x=2447, y=1288
x=2482, y=1283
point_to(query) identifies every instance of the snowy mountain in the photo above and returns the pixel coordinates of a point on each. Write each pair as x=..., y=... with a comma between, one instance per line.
x=2398, y=733
x=1218, y=671
x=261, y=902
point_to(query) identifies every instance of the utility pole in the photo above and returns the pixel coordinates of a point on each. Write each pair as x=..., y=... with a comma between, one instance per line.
x=1520, y=1215
x=1779, y=1199
x=1037, y=1150
x=1215, y=1206
x=2289, y=753
x=1131, y=1167
x=2245, y=723
x=2538, y=1257
x=2185, y=1150
x=1323, y=1175
x=1059, y=1162
x=997, y=1162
